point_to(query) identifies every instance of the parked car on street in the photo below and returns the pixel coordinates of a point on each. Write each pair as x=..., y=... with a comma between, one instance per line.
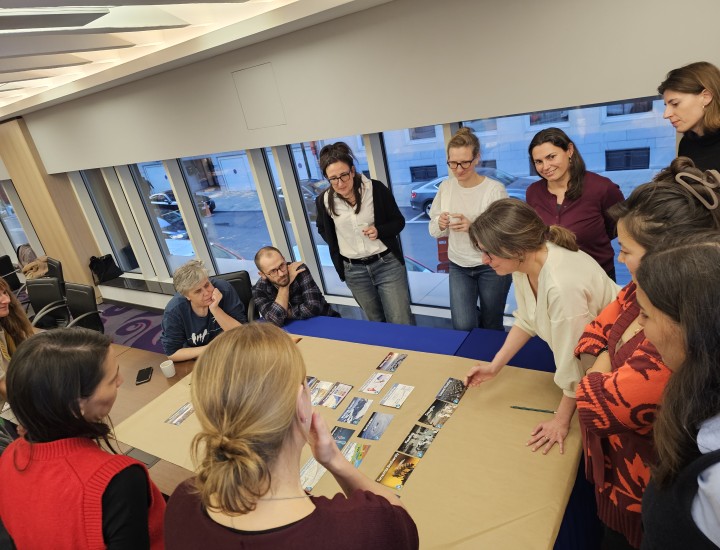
x=172, y=225
x=310, y=190
x=421, y=198
x=166, y=201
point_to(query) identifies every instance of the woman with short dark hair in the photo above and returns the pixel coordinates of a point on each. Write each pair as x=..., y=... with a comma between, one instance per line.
x=59, y=487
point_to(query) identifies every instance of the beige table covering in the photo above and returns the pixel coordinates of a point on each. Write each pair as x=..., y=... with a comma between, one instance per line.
x=478, y=485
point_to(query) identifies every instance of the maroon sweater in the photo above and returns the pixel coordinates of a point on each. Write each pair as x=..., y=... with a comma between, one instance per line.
x=586, y=216
x=365, y=520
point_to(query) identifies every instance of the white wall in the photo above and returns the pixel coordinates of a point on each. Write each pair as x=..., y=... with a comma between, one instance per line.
x=401, y=64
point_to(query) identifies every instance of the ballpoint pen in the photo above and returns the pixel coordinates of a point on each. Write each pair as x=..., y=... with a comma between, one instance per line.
x=531, y=409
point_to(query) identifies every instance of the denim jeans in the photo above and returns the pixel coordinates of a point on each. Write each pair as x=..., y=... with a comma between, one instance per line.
x=467, y=284
x=381, y=290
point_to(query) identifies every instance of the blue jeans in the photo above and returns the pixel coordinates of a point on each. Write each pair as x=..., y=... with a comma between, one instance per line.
x=381, y=290
x=467, y=284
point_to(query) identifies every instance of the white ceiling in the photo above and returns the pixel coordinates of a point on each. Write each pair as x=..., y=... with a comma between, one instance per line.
x=50, y=52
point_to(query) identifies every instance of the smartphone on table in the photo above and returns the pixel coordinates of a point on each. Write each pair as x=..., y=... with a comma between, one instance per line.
x=143, y=375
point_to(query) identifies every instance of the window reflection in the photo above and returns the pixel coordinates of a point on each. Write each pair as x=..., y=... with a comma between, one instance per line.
x=10, y=222
x=107, y=212
x=226, y=201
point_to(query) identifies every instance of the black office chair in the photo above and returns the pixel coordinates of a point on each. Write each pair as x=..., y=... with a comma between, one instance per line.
x=240, y=281
x=83, y=307
x=55, y=270
x=48, y=303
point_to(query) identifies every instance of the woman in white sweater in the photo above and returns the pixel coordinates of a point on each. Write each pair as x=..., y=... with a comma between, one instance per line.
x=559, y=289
x=460, y=199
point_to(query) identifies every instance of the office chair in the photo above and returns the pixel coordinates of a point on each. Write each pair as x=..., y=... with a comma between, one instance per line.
x=48, y=303
x=240, y=281
x=55, y=270
x=83, y=307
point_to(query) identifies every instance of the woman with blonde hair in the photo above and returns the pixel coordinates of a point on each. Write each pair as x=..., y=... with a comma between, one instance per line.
x=253, y=403
x=692, y=104
x=558, y=288
x=459, y=201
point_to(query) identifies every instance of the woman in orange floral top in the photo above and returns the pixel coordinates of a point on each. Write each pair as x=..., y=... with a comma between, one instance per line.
x=618, y=398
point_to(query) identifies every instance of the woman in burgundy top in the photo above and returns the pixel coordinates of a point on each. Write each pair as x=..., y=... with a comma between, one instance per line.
x=256, y=416
x=570, y=196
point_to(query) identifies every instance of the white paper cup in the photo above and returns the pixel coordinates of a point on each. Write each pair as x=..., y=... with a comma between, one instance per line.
x=168, y=368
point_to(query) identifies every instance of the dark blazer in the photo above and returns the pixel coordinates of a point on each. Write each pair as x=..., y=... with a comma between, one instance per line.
x=389, y=221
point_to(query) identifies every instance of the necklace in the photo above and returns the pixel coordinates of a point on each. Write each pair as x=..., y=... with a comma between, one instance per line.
x=284, y=498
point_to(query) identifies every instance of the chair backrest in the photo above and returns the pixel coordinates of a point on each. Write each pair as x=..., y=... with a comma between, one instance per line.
x=240, y=281
x=83, y=307
x=8, y=272
x=42, y=293
x=55, y=270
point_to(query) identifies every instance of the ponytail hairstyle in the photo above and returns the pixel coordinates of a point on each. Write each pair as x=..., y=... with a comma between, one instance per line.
x=245, y=388
x=679, y=202
x=558, y=138
x=465, y=137
x=679, y=281
x=510, y=228
x=340, y=152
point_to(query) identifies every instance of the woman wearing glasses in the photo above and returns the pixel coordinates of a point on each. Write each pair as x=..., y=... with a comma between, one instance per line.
x=459, y=201
x=558, y=290
x=360, y=221
x=571, y=197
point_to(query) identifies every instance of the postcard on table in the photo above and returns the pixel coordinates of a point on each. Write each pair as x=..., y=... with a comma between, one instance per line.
x=311, y=381
x=341, y=435
x=310, y=474
x=376, y=425
x=355, y=452
x=392, y=361
x=417, y=441
x=396, y=396
x=398, y=470
x=335, y=395
x=355, y=410
x=375, y=383
x=438, y=413
x=319, y=391
x=452, y=390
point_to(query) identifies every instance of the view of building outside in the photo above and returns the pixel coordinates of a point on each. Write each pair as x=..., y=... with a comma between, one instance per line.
x=10, y=222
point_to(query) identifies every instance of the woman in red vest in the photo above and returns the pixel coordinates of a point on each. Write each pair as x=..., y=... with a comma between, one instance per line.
x=60, y=489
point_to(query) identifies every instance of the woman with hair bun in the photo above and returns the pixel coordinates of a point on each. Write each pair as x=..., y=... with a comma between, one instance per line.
x=459, y=201
x=618, y=398
x=692, y=104
x=570, y=196
x=253, y=404
x=558, y=288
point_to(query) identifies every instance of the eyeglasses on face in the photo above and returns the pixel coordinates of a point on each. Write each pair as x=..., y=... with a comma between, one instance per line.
x=463, y=163
x=344, y=177
x=275, y=272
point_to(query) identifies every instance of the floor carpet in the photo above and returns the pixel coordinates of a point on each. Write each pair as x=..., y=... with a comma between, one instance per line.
x=132, y=327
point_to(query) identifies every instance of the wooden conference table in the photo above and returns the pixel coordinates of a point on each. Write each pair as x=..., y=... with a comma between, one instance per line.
x=477, y=486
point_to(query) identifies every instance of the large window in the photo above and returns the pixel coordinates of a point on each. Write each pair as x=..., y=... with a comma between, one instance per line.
x=10, y=221
x=226, y=201
x=107, y=213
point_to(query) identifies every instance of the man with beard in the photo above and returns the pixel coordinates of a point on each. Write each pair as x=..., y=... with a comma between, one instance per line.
x=286, y=291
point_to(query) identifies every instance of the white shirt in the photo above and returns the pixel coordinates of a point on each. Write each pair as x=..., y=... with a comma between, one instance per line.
x=349, y=225
x=470, y=202
x=706, y=504
x=572, y=290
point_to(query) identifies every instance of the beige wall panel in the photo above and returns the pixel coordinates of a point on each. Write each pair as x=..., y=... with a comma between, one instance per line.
x=402, y=64
x=50, y=203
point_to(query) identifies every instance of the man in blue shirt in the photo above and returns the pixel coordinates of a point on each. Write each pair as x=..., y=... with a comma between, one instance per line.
x=200, y=310
x=286, y=291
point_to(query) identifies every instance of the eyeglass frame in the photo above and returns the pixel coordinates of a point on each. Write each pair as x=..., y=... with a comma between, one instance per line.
x=465, y=164
x=344, y=177
x=274, y=272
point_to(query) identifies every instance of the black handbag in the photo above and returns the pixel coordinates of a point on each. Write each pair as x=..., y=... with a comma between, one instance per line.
x=104, y=268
